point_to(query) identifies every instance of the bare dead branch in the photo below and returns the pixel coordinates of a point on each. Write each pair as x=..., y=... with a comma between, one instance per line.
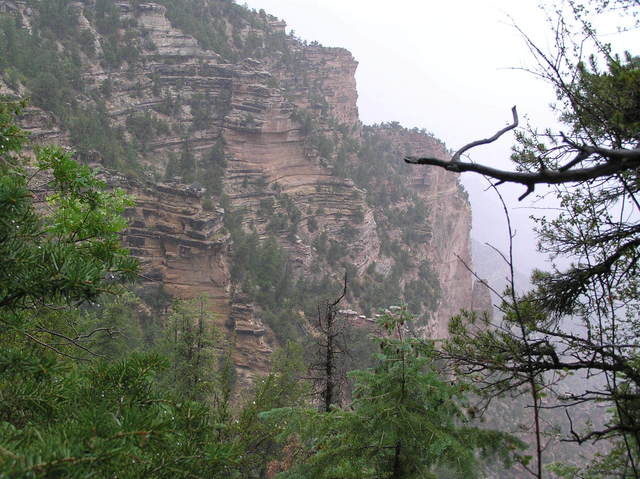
x=72, y=341
x=616, y=160
x=478, y=278
x=458, y=154
x=53, y=348
x=619, y=161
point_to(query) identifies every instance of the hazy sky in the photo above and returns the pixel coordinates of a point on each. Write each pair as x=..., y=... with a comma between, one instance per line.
x=454, y=68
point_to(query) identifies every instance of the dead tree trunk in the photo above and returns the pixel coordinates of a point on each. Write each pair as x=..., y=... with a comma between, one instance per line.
x=328, y=373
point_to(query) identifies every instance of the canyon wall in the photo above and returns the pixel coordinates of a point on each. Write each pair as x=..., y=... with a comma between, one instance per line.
x=260, y=139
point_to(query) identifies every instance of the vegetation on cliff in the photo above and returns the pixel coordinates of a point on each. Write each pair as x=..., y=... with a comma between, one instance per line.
x=139, y=113
x=74, y=404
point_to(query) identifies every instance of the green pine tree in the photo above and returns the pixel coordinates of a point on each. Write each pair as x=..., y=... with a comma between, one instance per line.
x=405, y=421
x=62, y=417
x=68, y=250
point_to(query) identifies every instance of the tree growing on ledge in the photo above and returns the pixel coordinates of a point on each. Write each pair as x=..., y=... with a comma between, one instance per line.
x=593, y=165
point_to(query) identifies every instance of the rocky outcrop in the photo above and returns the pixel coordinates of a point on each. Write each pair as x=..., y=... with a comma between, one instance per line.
x=181, y=246
x=253, y=342
x=323, y=80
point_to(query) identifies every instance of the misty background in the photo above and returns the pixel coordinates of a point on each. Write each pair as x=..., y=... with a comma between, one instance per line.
x=455, y=69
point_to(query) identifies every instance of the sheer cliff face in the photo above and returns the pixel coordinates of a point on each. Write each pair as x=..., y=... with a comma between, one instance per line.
x=278, y=143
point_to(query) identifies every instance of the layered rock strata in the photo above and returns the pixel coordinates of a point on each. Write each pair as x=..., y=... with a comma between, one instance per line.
x=291, y=133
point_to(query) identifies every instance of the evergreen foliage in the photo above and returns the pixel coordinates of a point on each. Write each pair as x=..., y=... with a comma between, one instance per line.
x=118, y=323
x=188, y=343
x=263, y=270
x=137, y=414
x=219, y=25
x=117, y=416
x=60, y=418
x=64, y=254
x=49, y=61
x=404, y=421
x=169, y=413
x=213, y=166
x=187, y=162
x=145, y=127
x=282, y=387
x=102, y=420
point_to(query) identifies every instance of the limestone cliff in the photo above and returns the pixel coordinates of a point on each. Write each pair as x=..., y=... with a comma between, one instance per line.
x=235, y=137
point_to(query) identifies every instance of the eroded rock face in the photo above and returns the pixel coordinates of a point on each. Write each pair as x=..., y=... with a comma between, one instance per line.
x=481, y=299
x=180, y=245
x=292, y=143
x=446, y=243
x=253, y=342
x=329, y=73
